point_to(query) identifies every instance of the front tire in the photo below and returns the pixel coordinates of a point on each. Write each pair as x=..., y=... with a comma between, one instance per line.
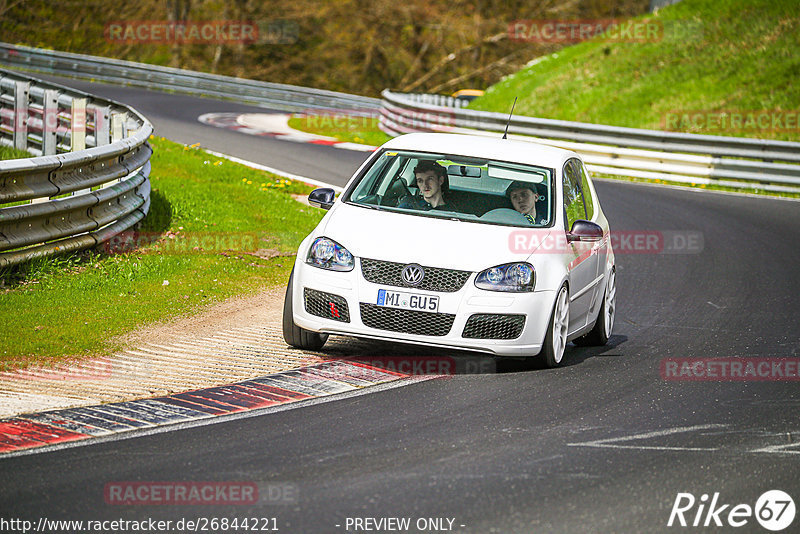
x=555, y=341
x=294, y=335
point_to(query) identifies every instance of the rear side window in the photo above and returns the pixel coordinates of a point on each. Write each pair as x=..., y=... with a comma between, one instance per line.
x=573, y=199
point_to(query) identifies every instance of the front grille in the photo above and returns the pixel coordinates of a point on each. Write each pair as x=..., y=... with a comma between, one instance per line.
x=407, y=321
x=326, y=305
x=436, y=279
x=494, y=326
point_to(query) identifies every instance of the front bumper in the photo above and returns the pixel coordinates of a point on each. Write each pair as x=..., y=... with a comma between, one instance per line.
x=345, y=303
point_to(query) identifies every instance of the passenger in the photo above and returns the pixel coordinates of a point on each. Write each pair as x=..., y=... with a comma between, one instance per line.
x=433, y=188
x=523, y=196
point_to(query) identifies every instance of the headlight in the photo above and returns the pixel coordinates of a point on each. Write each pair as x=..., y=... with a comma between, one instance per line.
x=328, y=254
x=516, y=277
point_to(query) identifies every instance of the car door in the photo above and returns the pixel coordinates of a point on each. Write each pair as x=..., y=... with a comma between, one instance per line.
x=599, y=249
x=581, y=255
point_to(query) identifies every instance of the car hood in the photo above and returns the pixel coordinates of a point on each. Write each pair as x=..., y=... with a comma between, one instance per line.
x=403, y=238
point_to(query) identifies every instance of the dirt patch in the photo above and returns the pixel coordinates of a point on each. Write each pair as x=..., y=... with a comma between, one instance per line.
x=263, y=309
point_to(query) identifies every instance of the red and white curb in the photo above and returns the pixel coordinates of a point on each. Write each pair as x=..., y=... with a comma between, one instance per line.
x=275, y=125
x=31, y=431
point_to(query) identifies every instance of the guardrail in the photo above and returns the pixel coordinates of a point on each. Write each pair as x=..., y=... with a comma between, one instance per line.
x=90, y=179
x=274, y=95
x=679, y=157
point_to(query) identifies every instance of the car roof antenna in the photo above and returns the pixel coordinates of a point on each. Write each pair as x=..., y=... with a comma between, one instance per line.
x=505, y=134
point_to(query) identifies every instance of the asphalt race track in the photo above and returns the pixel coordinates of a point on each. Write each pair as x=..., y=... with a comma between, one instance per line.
x=603, y=444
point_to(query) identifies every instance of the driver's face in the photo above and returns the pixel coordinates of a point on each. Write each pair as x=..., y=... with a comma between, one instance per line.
x=430, y=185
x=524, y=201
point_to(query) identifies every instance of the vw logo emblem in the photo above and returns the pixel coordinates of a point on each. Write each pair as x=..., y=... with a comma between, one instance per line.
x=412, y=274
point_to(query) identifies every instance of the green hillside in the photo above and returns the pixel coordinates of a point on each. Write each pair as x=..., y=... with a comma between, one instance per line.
x=715, y=59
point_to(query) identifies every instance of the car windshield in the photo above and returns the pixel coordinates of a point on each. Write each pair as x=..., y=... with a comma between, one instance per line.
x=457, y=187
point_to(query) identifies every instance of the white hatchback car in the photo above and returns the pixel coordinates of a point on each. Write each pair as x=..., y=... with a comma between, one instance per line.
x=460, y=242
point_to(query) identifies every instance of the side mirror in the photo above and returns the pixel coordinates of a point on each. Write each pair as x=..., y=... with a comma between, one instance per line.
x=584, y=231
x=322, y=197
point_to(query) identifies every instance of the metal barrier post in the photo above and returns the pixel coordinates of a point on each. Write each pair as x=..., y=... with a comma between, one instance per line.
x=116, y=126
x=20, y=121
x=78, y=131
x=50, y=122
x=78, y=125
x=102, y=128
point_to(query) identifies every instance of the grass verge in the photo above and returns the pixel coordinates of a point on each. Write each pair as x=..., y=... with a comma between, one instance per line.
x=7, y=152
x=215, y=229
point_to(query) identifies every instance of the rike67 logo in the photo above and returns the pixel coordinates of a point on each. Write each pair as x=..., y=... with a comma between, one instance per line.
x=774, y=510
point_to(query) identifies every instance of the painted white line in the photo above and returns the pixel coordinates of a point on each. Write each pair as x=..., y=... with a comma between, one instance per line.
x=279, y=172
x=613, y=443
x=779, y=449
x=355, y=146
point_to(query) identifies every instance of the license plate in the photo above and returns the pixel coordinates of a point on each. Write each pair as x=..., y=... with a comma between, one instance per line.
x=408, y=301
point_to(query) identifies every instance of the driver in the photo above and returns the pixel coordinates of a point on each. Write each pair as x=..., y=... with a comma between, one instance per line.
x=523, y=196
x=431, y=180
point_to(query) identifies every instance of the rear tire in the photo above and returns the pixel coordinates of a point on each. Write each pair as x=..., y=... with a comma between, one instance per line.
x=294, y=335
x=555, y=341
x=601, y=330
